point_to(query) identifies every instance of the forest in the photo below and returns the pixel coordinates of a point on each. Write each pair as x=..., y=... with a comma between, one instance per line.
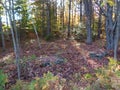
x=59, y=45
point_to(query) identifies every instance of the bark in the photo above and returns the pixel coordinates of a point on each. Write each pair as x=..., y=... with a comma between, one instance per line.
x=117, y=31
x=69, y=18
x=16, y=50
x=2, y=34
x=38, y=39
x=72, y=16
x=63, y=14
x=88, y=12
x=43, y=18
x=48, y=18
x=81, y=11
x=109, y=28
x=99, y=22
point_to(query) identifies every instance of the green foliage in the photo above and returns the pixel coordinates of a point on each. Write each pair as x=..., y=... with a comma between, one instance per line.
x=3, y=80
x=21, y=8
x=24, y=64
x=29, y=58
x=94, y=29
x=110, y=2
x=47, y=82
x=20, y=85
x=88, y=76
x=43, y=82
x=55, y=34
x=117, y=73
x=107, y=78
x=5, y=27
x=79, y=32
x=112, y=62
x=49, y=37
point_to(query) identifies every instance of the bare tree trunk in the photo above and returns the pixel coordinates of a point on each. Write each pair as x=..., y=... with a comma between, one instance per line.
x=38, y=39
x=117, y=32
x=109, y=28
x=63, y=13
x=2, y=34
x=48, y=18
x=72, y=15
x=12, y=24
x=69, y=18
x=43, y=17
x=99, y=22
x=88, y=12
x=81, y=10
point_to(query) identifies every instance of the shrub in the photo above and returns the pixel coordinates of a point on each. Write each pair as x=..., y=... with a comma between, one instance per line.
x=53, y=35
x=20, y=85
x=47, y=82
x=49, y=37
x=3, y=80
x=107, y=77
x=79, y=32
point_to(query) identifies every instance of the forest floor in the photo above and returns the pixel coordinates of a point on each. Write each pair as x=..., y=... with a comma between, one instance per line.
x=73, y=57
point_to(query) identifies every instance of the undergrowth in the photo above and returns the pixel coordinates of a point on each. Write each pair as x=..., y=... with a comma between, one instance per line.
x=105, y=78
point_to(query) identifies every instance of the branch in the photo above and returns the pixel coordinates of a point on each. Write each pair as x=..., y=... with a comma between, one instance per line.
x=103, y=11
x=3, y=6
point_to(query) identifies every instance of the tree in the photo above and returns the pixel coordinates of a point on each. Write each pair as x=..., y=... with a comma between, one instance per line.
x=99, y=21
x=12, y=24
x=81, y=7
x=88, y=13
x=21, y=9
x=1, y=31
x=117, y=31
x=69, y=18
x=109, y=27
x=48, y=7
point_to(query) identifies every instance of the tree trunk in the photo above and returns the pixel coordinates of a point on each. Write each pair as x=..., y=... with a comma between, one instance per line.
x=16, y=50
x=109, y=28
x=99, y=22
x=63, y=13
x=81, y=10
x=43, y=18
x=88, y=12
x=35, y=29
x=117, y=32
x=2, y=34
x=48, y=18
x=69, y=18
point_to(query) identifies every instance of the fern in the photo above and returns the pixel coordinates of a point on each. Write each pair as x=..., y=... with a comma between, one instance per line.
x=3, y=80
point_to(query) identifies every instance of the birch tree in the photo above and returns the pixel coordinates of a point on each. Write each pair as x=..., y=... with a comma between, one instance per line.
x=15, y=43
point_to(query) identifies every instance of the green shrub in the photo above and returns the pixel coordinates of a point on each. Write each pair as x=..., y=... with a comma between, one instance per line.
x=107, y=78
x=79, y=32
x=47, y=82
x=3, y=80
x=49, y=37
x=20, y=85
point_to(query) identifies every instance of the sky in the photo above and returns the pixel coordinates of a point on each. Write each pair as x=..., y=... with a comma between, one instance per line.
x=4, y=16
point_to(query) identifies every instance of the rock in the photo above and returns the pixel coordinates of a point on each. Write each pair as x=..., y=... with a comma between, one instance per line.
x=49, y=61
x=59, y=61
x=98, y=56
x=44, y=64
